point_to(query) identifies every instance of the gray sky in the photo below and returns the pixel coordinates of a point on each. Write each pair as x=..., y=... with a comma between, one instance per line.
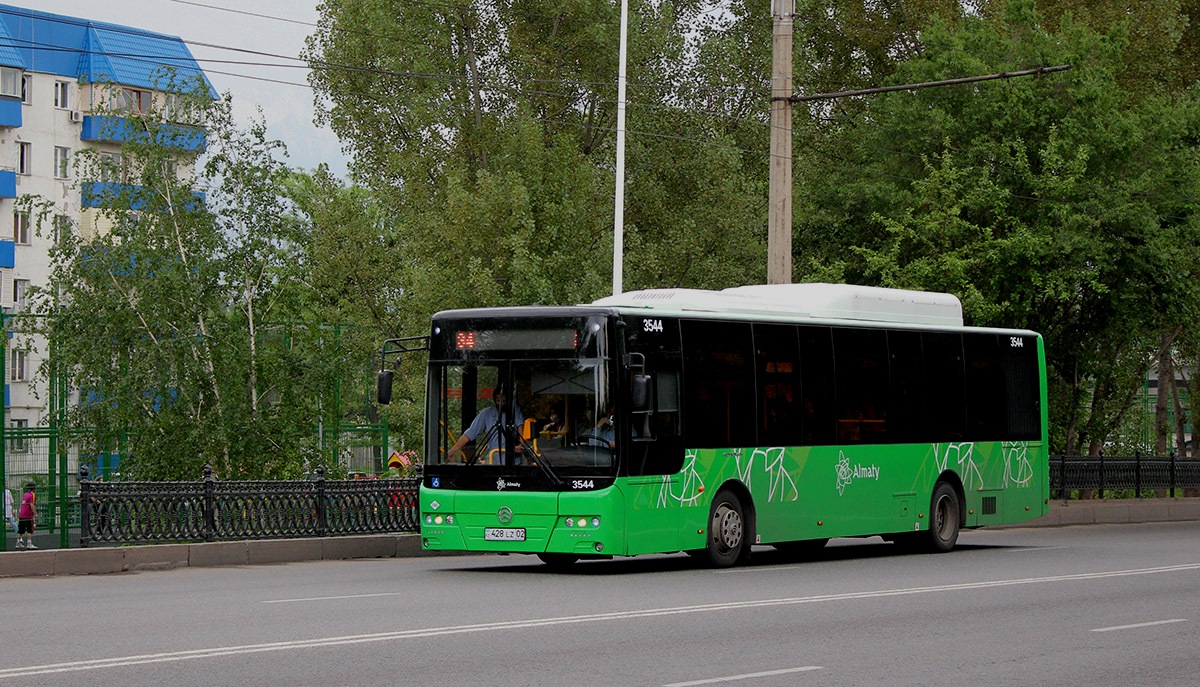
x=287, y=106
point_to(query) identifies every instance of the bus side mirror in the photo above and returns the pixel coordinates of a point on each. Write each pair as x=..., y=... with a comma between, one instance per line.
x=639, y=393
x=383, y=387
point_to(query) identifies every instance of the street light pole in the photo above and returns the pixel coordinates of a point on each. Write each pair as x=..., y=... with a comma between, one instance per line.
x=779, y=214
x=619, y=202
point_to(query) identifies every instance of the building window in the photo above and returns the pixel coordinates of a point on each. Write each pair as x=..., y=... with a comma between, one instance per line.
x=11, y=81
x=173, y=109
x=21, y=294
x=112, y=167
x=18, y=366
x=21, y=228
x=62, y=95
x=25, y=158
x=62, y=162
x=26, y=89
x=62, y=229
x=132, y=101
x=19, y=443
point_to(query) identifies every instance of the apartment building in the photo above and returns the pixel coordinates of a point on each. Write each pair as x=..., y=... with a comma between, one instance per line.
x=64, y=84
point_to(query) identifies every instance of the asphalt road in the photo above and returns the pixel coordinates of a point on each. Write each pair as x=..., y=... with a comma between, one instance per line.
x=1097, y=605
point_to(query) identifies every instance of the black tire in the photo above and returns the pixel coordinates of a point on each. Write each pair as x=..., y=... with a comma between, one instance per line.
x=726, y=531
x=558, y=561
x=945, y=516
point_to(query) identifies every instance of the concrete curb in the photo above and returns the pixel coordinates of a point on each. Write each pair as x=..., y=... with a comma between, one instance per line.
x=102, y=560
x=116, y=559
x=1101, y=512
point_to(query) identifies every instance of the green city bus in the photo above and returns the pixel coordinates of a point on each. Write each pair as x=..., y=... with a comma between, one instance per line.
x=709, y=421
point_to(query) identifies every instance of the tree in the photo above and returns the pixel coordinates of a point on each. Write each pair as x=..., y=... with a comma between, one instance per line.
x=178, y=308
x=1061, y=203
x=498, y=171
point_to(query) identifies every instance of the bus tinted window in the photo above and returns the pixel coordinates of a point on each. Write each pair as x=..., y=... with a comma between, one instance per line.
x=718, y=369
x=945, y=402
x=862, y=385
x=986, y=416
x=777, y=363
x=816, y=386
x=907, y=421
x=1021, y=385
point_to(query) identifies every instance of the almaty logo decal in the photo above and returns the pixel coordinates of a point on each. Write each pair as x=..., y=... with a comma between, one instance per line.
x=847, y=474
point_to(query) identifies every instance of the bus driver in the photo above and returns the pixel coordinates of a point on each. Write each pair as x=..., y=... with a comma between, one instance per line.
x=490, y=421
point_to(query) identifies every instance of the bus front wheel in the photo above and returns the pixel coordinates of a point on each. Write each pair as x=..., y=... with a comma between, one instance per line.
x=945, y=513
x=726, y=530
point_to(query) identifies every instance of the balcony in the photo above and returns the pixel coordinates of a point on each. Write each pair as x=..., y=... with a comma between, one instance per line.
x=103, y=128
x=10, y=112
x=8, y=183
x=93, y=194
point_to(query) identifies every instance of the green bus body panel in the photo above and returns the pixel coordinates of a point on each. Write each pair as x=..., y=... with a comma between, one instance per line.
x=796, y=493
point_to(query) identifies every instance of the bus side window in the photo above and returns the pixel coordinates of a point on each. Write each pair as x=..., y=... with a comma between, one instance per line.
x=816, y=386
x=946, y=399
x=777, y=367
x=718, y=373
x=863, y=385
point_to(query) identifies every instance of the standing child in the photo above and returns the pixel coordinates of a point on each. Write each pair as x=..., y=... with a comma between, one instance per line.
x=27, y=515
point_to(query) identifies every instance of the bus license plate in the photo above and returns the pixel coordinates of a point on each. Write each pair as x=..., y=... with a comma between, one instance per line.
x=504, y=534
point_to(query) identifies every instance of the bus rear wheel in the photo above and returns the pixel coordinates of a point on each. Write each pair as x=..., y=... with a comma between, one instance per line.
x=726, y=530
x=945, y=514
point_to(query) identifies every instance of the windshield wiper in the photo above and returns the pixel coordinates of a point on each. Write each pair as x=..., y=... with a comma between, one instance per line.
x=540, y=461
x=481, y=447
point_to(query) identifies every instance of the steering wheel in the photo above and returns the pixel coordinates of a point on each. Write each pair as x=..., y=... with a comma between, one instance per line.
x=590, y=437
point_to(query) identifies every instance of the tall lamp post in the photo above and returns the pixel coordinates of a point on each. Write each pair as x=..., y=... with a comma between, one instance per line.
x=619, y=203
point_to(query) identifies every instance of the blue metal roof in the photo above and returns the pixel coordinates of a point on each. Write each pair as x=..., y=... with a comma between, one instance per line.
x=9, y=56
x=94, y=52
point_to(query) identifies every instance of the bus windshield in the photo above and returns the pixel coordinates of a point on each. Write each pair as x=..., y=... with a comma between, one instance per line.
x=522, y=397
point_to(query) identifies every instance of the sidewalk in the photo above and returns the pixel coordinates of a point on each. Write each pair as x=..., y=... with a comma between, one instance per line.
x=110, y=559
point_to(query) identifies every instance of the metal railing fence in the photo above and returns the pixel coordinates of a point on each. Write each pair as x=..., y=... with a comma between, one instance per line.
x=1110, y=473
x=213, y=510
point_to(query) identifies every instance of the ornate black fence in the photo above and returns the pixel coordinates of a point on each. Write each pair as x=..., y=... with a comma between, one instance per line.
x=1101, y=473
x=213, y=510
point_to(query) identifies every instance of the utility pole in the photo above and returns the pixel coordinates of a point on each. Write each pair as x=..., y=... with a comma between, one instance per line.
x=779, y=216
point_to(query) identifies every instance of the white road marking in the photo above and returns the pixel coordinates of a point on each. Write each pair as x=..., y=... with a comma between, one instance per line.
x=1137, y=625
x=166, y=657
x=331, y=598
x=747, y=676
x=1034, y=548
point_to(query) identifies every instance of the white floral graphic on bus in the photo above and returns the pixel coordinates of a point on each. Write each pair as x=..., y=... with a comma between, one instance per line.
x=964, y=455
x=781, y=482
x=690, y=488
x=1017, y=468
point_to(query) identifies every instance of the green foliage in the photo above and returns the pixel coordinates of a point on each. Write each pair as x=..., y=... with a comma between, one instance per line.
x=1061, y=203
x=185, y=322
